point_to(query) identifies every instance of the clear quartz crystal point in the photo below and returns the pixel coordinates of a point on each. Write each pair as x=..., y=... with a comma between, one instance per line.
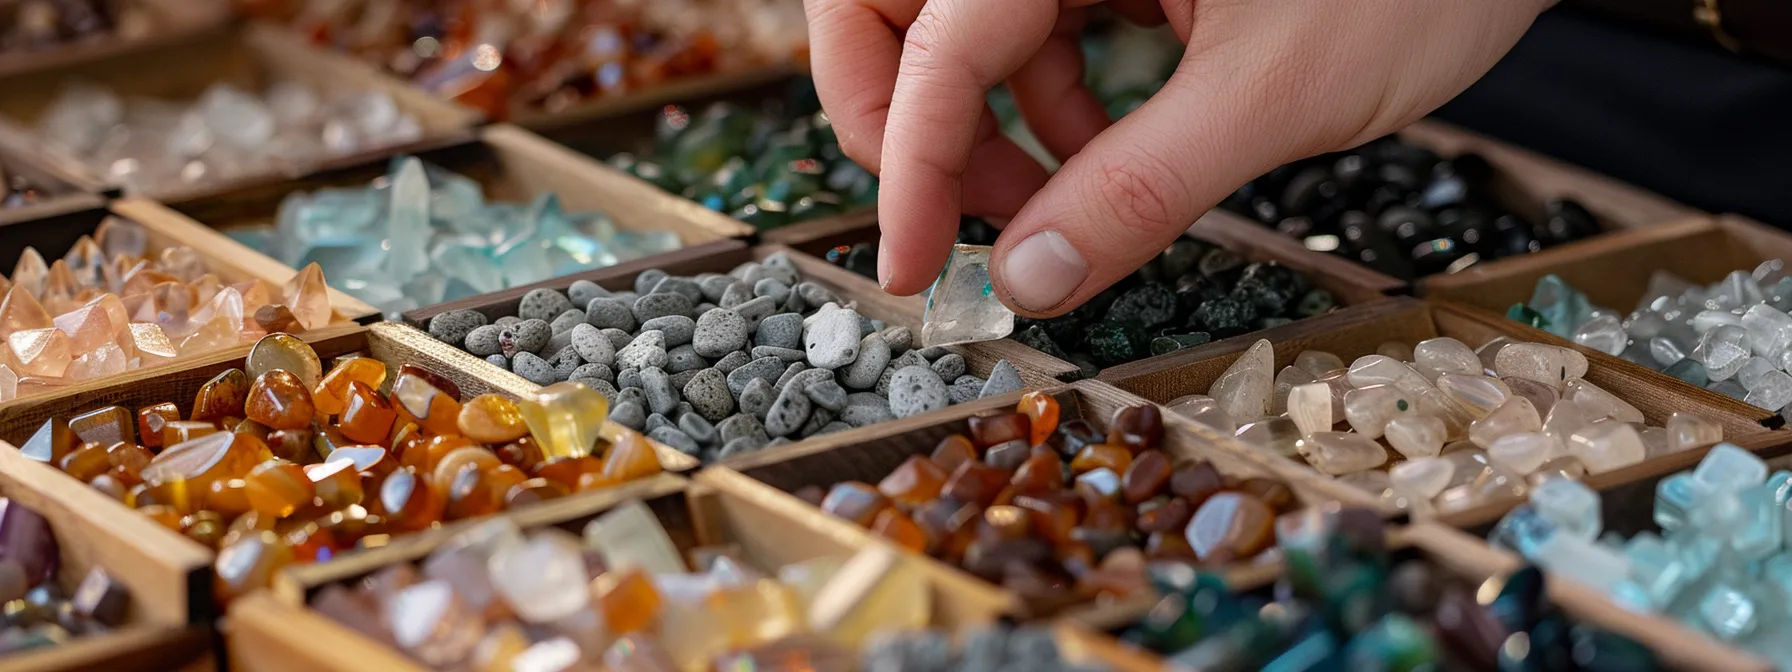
x=962, y=306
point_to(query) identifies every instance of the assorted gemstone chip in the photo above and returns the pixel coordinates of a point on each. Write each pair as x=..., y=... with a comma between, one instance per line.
x=40, y=610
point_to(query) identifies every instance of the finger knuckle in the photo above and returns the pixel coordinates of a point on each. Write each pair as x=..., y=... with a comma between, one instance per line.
x=1133, y=194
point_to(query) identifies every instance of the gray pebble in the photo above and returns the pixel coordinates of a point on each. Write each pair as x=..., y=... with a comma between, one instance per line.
x=532, y=368
x=627, y=297
x=910, y=358
x=750, y=273
x=633, y=394
x=732, y=361
x=684, y=358
x=788, y=413
x=860, y=413
x=660, y=305
x=934, y=352
x=483, y=341
x=661, y=398
x=648, y=349
x=655, y=421
x=619, y=339
x=740, y=446
x=629, y=414
x=507, y=320
x=566, y=320
x=964, y=392
x=790, y=373
x=867, y=326
x=676, y=438
x=648, y=279
x=736, y=294
x=702, y=308
x=583, y=291
x=818, y=419
x=784, y=330
x=773, y=289
x=915, y=390
x=629, y=377
x=741, y=425
x=499, y=361
x=559, y=341
x=677, y=328
x=453, y=326
x=592, y=345
x=565, y=362
x=524, y=336
x=827, y=394
x=609, y=312
x=764, y=368
x=589, y=372
x=755, y=310
x=714, y=285
x=883, y=380
x=781, y=267
x=1003, y=378
x=708, y=393
x=677, y=285
x=795, y=304
x=949, y=366
x=542, y=304
x=833, y=341
x=815, y=295
x=806, y=377
x=834, y=427
x=757, y=398
x=899, y=338
x=874, y=355
x=683, y=378
x=780, y=441
x=684, y=408
x=602, y=386
x=698, y=427
x=719, y=332
x=783, y=354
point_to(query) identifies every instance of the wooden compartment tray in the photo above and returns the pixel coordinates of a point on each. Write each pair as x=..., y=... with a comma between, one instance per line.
x=1355, y=332
x=171, y=22
x=250, y=57
x=869, y=454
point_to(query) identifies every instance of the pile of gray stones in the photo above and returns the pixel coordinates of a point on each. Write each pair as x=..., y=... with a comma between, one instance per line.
x=720, y=365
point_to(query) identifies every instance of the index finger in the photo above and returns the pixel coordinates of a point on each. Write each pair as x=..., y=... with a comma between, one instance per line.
x=855, y=47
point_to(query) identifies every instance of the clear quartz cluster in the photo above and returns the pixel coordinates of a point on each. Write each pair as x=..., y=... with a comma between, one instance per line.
x=1717, y=562
x=1438, y=426
x=152, y=145
x=422, y=235
x=112, y=305
x=495, y=598
x=1732, y=337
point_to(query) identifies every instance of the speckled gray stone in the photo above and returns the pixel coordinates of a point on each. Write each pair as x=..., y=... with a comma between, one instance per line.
x=619, y=339
x=507, y=320
x=684, y=408
x=865, y=408
x=757, y=398
x=524, y=336
x=661, y=398
x=646, y=280
x=648, y=349
x=629, y=414
x=949, y=366
x=832, y=341
x=698, y=427
x=750, y=273
x=629, y=376
x=592, y=345
x=883, y=381
x=660, y=305
x=483, y=341
x=609, y=312
x=656, y=421
x=677, y=329
x=684, y=358
x=964, y=392
x=633, y=394
x=915, y=390
x=818, y=418
x=603, y=387
x=542, y=304
x=566, y=320
x=453, y=326
x=766, y=368
x=732, y=361
x=806, y=377
x=714, y=285
x=740, y=446
x=683, y=378
x=862, y=373
x=559, y=341
x=784, y=330
x=589, y=372
x=1003, y=378
x=583, y=291
x=719, y=332
x=781, y=267
x=755, y=310
x=795, y=304
x=827, y=394
x=532, y=368
x=736, y=294
x=788, y=413
x=565, y=362
x=677, y=285
x=815, y=295
x=899, y=338
x=708, y=393
x=910, y=358
x=677, y=439
x=790, y=373
x=741, y=425
x=773, y=289
x=783, y=354
x=499, y=361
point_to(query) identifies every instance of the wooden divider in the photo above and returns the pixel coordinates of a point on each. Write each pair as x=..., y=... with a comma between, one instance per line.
x=602, y=127
x=170, y=22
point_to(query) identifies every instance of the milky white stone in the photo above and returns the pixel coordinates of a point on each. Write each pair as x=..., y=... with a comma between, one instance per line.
x=1470, y=463
x=1603, y=333
x=1542, y=396
x=1771, y=391
x=1599, y=403
x=1516, y=415
x=1476, y=395
x=1655, y=442
x=1318, y=362
x=1690, y=430
x=1421, y=478
x=1441, y=355
x=1606, y=445
x=1769, y=329
x=1523, y=452
x=1666, y=350
x=1382, y=370
x=1370, y=408
x=1310, y=407
x=1416, y=435
x=1244, y=389
x=1548, y=364
x=1205, y=410
x=1338, y=453
x=631, y=536
x=1285, y=381
x=1707, y=320
x=1752, y=371
x=1372, y=481
x=1276, y=435
x=542, y=579
x=1723, y=350
x=1566, y=418
x=1432, y=402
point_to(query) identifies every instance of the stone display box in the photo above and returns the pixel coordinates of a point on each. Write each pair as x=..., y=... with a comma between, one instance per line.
x=1358, y=331
x=171, y=22
x=871, y=453
x=605, y=126
x=251, y=58
x=66, y=189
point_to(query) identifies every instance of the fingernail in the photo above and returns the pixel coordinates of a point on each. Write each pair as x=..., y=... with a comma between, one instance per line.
x=1042, y=271
x=883, y=269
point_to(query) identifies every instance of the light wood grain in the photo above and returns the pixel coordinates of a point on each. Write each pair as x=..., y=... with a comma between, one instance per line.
x=266, y=635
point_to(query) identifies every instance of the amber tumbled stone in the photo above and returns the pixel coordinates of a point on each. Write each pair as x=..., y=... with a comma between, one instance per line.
x=181, y=431
x=1041, y=410
x=1137, y=428
x=373, y=462
x=229, y=496
x=856, y=502
x=568, y=471
x=426, y=455
x=1072, y=436
x=1050, y=520
x=221, y=397
x=428, y=399
x=976, y=483
x=490, y=418
x=407, y=501
x=999, y=429
x=627, y=600
x=953, y=451
x=1146, y=476
x=331, y=394
x=913, y=482
x=278, y=488
x=1102, y=456
x=1231, y=526
x=1196, y=481
x=898, y=527
x=293, y=445
x=368, y=417
x=630, y=458
x=249, y=564
x=128, y=460
x=152, y=419
x=521, y=453
x=1042, y=473
x=534, y=491
x=1274, y=493
x=104, y=426
x=1164, y=515
x=179, y=496
x=86, y=462
x=207, y=458
x=205, y=527
x=336, y=483
x=279, y=400
x=465, y=457
x=478, y=492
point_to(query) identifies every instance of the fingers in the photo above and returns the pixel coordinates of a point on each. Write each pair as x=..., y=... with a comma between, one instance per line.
x=1060, y=111
x=950, y=60
x=856, y=46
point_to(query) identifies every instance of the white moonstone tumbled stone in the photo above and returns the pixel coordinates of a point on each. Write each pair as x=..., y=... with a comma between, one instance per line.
x=1516, y=415
x=1690, y=430
x=1432, y=402
x=1470, y=463
x=1382, y=370
x=543, y=579
x=1285, y=381
x=1435, y=356
x=1603, y=333
x=1475, y=394
x=1276, y=435
x=1310, y=407
x=1339, y=453
x=1608, y=445
x=1548, y=364
x=1542, y=396
x=1416, y=435
x=1244, y=389
x=1565, y=419
x=1370, y=408
x=631, y=536
x=1524, y=452
x=1319, y=363
x=1421, y=478
x=1205, y=410
x=1599, y=403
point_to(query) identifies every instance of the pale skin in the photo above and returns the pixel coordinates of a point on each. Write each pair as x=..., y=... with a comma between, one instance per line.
x=1261, y=83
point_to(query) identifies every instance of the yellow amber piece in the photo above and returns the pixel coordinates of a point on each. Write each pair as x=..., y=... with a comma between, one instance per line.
x=761, y=611
x=229, y=496
x=490, y=418
x=420, y=400
x=208, y=458
x=278, y=488
x=86, y=462
x=565, y=418
x=331, y=395
x=280, y=400
x=337, y=483
x=152, y=419
x=627, y=600
x=221, y=397
x=632, y=457
x=182, y=431
x=368, y=417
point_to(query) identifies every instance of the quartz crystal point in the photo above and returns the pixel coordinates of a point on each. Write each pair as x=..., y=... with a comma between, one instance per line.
x=1243, y=390
x=962, y=306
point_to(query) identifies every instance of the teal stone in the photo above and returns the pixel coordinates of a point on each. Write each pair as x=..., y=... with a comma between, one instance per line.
x=1353, y=595
x=1657, y=569
x=1780, y=483
x=1316, y=652
x=1523, y=531
x=1521, y=603
x=1675, y=497
x=1523, y=314
x=1564, y=307
x=1164, y=345
x=1395, y=643
x=1688, y=371
x=1172, y=625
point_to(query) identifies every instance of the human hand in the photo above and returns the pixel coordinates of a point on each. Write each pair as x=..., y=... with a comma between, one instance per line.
x=1261, y=83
